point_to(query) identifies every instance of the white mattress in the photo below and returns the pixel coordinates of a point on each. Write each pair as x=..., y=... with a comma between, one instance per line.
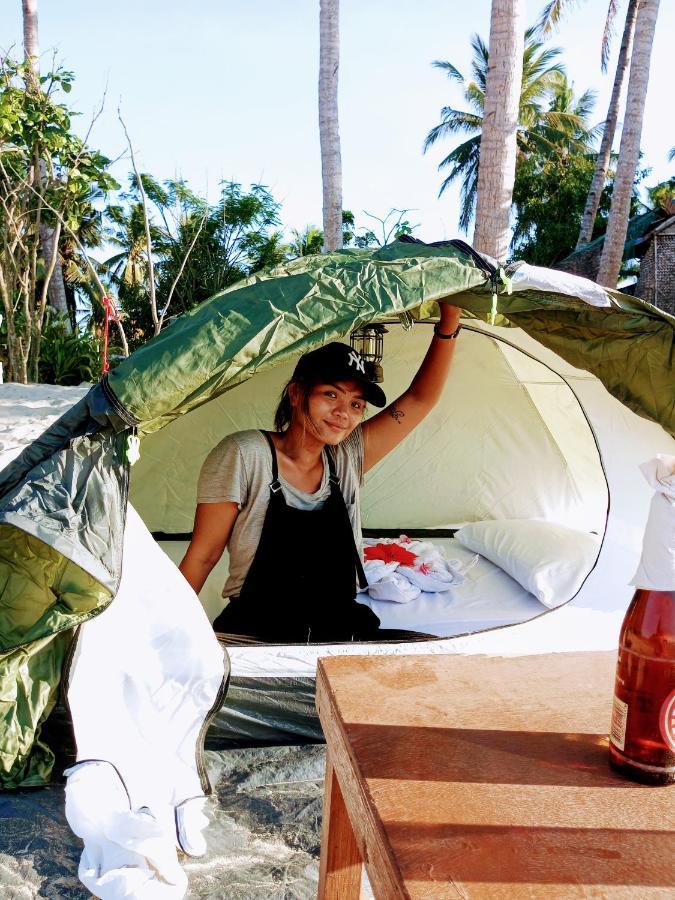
x=489, y=597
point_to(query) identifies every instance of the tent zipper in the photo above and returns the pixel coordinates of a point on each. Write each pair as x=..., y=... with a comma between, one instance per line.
x=480, y=261
x=463, y=247
x=201, y=738
x=121, y=411
x=90, y=615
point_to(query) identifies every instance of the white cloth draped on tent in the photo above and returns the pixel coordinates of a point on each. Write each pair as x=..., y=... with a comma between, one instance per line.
x=145, y=675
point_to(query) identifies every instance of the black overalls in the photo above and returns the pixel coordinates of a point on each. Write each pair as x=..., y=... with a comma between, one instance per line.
x=301, y=585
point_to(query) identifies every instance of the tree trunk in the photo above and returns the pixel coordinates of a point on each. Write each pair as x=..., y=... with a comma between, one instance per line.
x=31, y=47
x=331, y=163
x=602, y=162
x=56, y=290
x=497, y=162
x=629, y=150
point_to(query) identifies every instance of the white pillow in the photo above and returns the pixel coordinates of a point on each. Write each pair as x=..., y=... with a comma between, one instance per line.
x=550, y=561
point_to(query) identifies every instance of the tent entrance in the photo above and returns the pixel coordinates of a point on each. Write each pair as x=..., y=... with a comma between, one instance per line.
x=509, y=440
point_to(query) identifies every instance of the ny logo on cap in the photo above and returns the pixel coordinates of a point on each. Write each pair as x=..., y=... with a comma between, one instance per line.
x=356, y=360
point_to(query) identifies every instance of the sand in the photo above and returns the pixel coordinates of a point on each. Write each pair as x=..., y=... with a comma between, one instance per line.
x=26, y=410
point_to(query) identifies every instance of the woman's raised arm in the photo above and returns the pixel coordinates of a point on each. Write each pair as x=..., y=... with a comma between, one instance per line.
x=388, y=428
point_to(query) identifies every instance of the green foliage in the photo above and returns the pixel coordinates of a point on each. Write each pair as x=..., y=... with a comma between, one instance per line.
x=47, y=177
x=68, y=357
x=663, y=195
x=33, y=125
x=198, y=249
x=309, y=241
x=391, y=227
x=549, y=196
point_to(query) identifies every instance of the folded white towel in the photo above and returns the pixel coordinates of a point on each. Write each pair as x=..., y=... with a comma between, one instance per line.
x=396, y=588
x=430, y=577
x=376, y=569
x=430, y=572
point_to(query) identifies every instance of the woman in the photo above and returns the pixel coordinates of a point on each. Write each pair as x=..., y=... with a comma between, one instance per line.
x=286, y=503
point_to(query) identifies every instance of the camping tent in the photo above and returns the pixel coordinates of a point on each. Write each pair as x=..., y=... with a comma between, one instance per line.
x=561, y=388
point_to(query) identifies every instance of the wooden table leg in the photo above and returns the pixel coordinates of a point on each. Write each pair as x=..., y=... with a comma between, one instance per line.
x=341, y=865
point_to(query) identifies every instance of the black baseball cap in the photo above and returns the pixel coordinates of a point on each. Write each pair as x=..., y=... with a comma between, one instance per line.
x=338, y=362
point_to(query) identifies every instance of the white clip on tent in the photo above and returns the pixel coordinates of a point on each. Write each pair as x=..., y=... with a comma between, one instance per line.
x=532, y=453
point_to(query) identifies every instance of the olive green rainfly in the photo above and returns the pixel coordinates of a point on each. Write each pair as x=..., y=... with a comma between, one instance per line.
x=63, y=501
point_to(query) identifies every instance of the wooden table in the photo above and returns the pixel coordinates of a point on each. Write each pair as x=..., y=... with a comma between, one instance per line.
x=473, y=777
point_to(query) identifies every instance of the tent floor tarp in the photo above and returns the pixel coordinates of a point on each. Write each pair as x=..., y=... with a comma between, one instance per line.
x=263, y=838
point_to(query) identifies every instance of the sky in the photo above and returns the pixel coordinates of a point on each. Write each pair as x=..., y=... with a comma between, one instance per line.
x=224, y=89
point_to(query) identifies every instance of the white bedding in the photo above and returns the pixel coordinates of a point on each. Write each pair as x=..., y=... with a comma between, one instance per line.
x=487, y=599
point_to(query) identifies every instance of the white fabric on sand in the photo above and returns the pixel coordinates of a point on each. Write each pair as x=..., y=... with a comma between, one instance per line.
x=145, y=674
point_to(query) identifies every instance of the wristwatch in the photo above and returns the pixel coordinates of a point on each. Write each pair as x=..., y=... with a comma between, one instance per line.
x=447, y=337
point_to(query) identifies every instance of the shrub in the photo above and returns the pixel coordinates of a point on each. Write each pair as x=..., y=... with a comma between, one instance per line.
x=68, y=357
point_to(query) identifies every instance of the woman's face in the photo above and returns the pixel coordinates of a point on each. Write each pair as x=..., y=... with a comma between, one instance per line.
x=333, y=410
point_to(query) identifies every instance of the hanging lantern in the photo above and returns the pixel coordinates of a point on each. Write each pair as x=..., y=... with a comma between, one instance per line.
x=369, y=342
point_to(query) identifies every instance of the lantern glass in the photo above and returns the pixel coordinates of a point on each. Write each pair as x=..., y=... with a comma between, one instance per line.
x=369, y=342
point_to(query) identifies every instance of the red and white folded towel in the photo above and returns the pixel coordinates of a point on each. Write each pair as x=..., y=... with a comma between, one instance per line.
x=399, y=570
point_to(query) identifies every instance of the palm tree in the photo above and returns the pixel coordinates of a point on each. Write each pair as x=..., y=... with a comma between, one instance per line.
x=602, y=161
x=565, y=127
x=307, y=242
x=539, y=126
x=498, y=146
x=87, y=233
x=56, y=291
x=129, y=266
x=550, y=16
x=31, y=45
x=331, y=163
x=629, y=150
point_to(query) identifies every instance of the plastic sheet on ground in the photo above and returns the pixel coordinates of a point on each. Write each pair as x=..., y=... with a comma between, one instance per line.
x=263, y=838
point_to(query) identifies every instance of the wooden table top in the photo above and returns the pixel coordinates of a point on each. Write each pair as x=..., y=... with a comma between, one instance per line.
x=488, y=777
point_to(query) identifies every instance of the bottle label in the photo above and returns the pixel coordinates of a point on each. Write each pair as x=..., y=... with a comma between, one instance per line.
x=619, y=718
x=667, y=721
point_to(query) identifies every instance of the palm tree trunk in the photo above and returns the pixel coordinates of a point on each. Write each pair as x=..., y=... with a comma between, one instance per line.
x=629, y=150
x=497, y=164
x=31, y=45
x=331, y=163
x=602, y=162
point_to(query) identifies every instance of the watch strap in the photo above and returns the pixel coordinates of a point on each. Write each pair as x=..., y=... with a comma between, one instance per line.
x=447, y=337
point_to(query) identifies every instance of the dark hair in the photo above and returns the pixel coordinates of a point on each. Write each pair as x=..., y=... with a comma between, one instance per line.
x=284, y=412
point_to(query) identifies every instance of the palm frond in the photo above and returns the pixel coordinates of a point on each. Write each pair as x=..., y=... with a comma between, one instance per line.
x=475, y=95
x=608, y=34
x=451, y=71
x=551, y=16
x=452, y=121
x=479, y=64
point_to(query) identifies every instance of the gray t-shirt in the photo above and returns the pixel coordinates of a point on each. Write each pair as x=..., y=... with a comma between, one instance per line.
x=239, y=470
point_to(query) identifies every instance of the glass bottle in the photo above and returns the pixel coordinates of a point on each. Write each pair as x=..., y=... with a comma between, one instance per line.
x=642, y=738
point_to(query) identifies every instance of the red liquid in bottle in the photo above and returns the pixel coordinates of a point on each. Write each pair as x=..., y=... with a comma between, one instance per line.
x=642, y=739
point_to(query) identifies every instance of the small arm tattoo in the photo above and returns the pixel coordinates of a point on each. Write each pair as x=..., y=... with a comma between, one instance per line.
x=396, y=414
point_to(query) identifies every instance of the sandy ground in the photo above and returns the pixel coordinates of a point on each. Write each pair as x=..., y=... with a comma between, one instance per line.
x=27, y=409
